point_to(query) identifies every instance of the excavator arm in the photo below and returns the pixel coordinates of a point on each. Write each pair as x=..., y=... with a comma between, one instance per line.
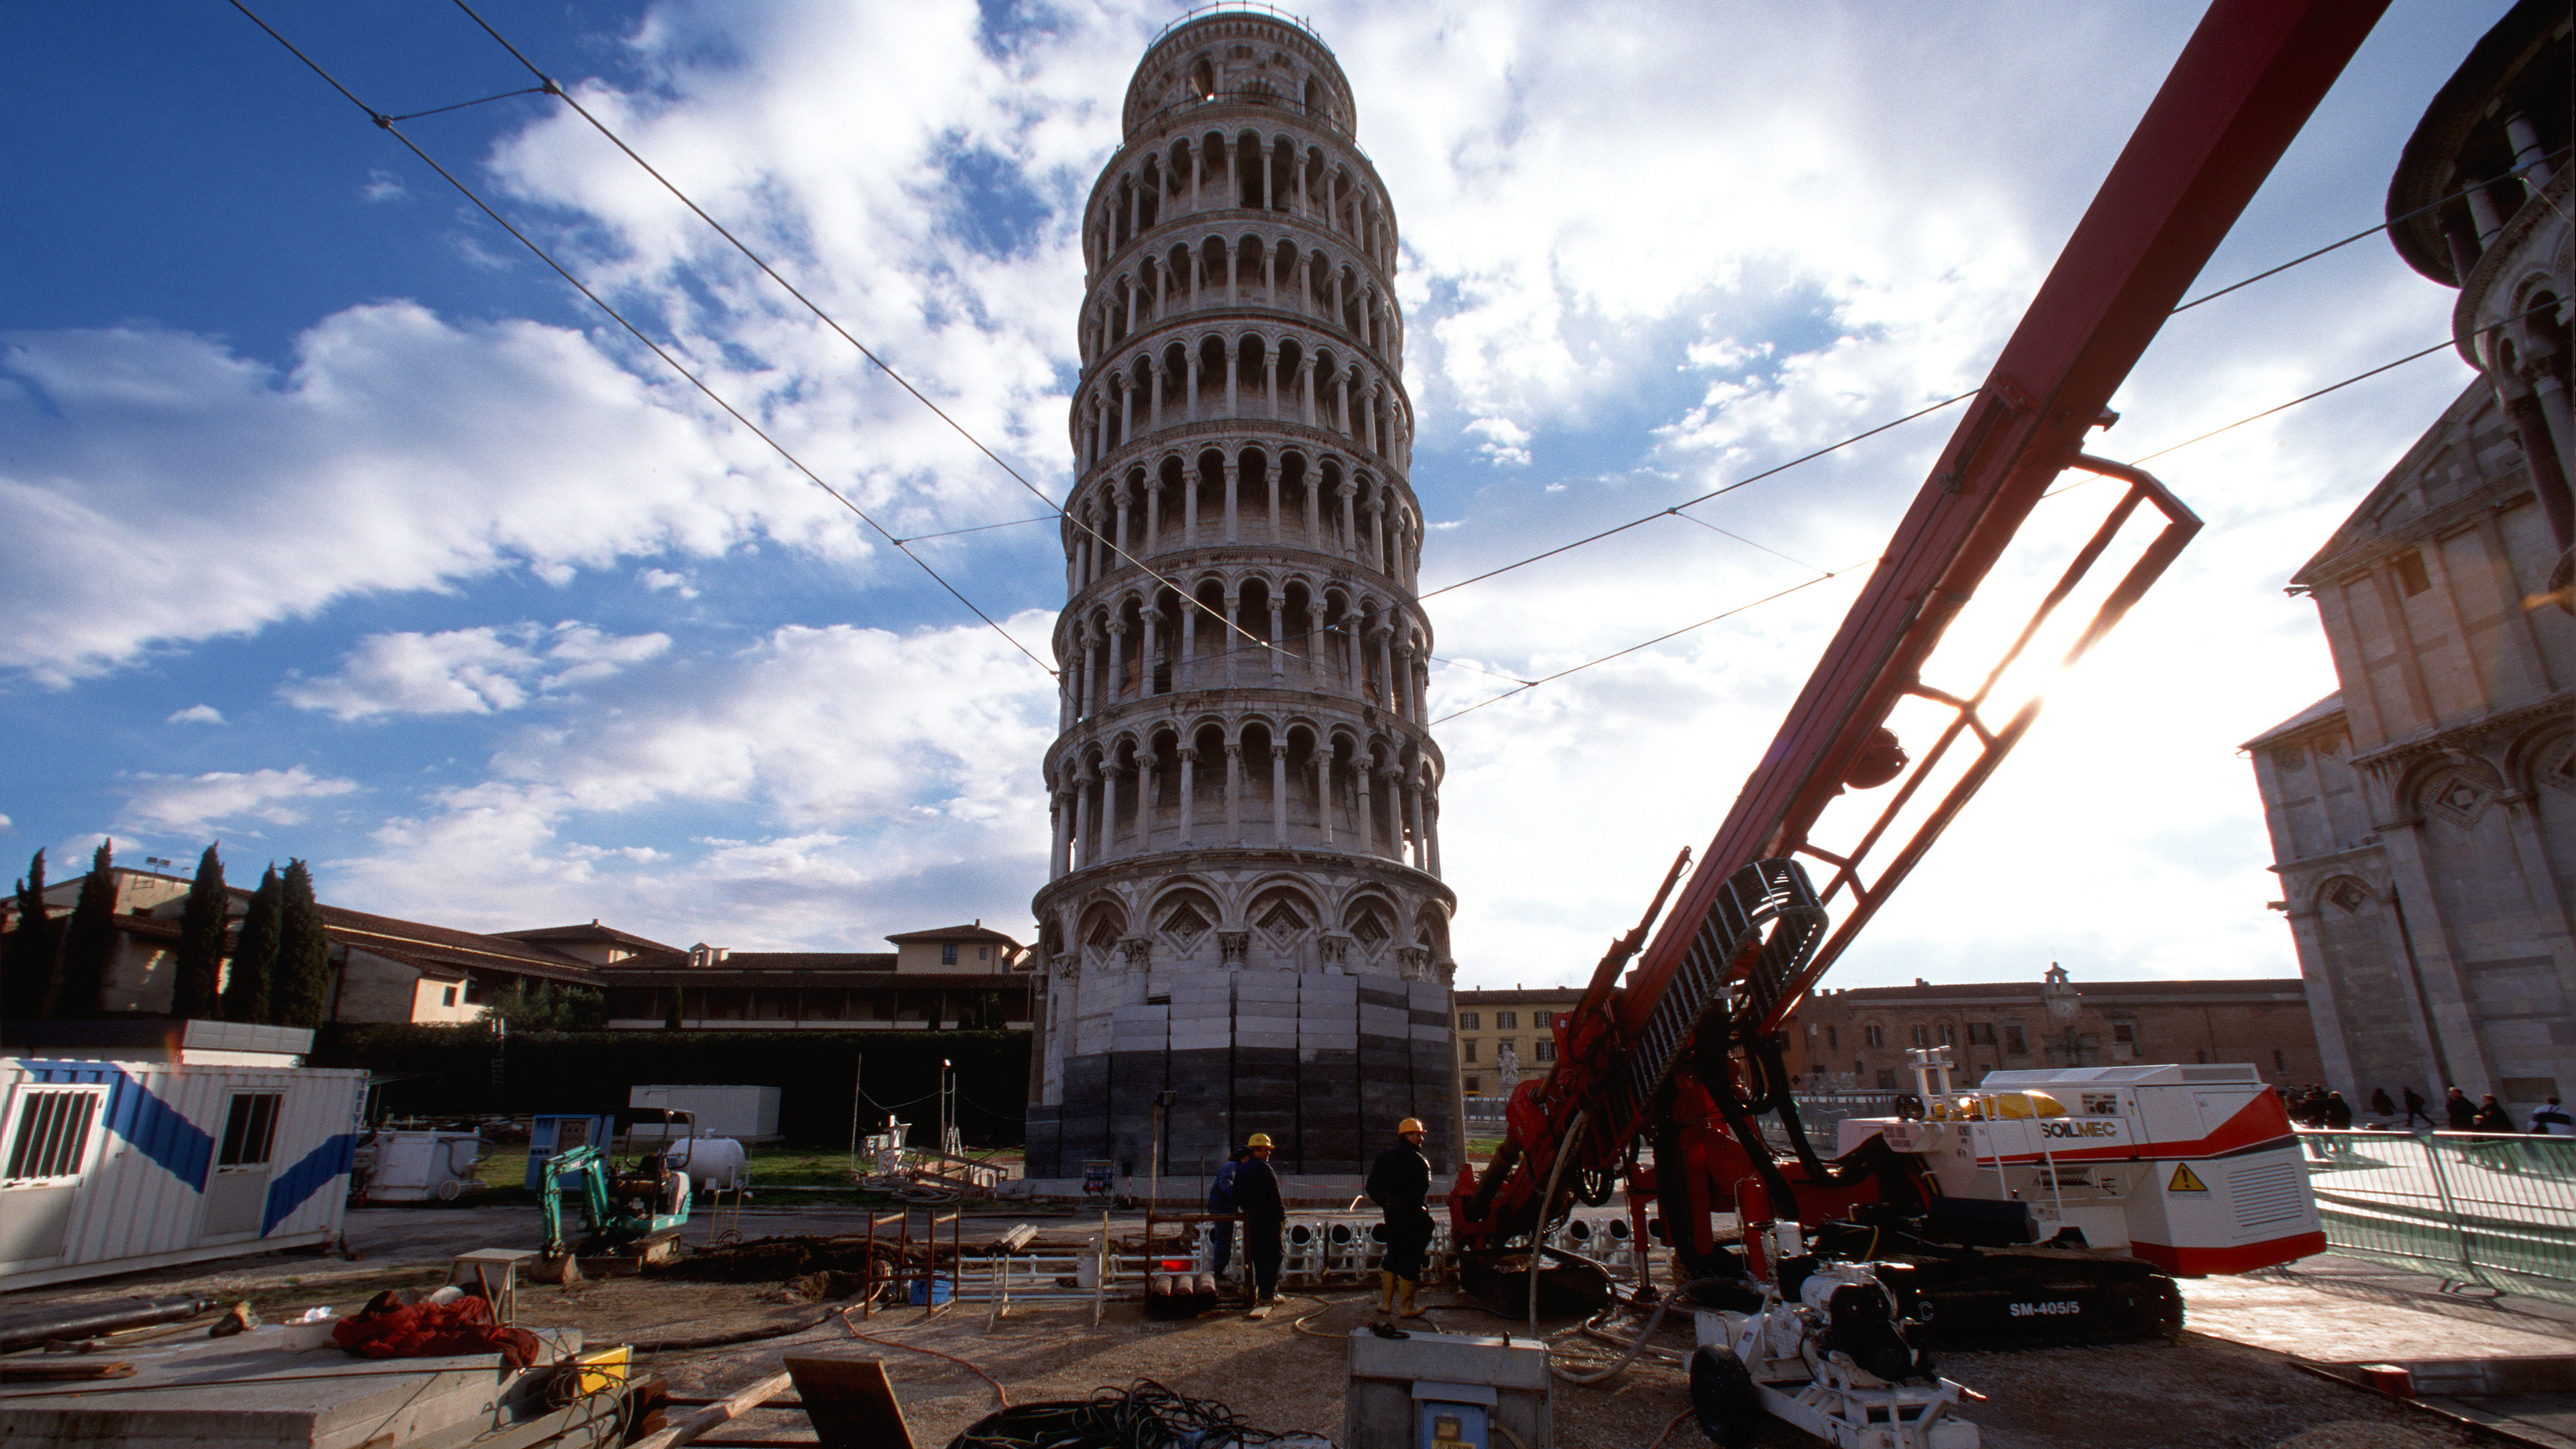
x=1686, y=1053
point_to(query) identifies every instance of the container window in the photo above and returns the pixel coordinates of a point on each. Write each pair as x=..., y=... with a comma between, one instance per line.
x=1506, y=1020
x=53, y=1133
x=250, y=1130
x=1467, y=1021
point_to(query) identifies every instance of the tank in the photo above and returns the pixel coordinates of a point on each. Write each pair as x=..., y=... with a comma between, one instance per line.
x=415, y=1166
x=716, y=1162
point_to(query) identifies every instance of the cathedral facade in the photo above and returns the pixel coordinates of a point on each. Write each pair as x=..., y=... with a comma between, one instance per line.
x=1243, y=920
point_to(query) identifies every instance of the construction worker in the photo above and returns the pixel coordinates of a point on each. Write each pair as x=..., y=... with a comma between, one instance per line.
x=1398, y=1184
x=1220, y=1199
x=1265, y=1214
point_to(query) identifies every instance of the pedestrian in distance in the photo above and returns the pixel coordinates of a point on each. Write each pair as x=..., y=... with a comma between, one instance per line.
x=2381, y=1107
x=2462, y=1112
x=1265, y=1217
x=1398, y=1183
x=2490, y=1116
x=2338, y=1113
x=2415, y=1109
x=1220, y=1199
x=2549, y=1121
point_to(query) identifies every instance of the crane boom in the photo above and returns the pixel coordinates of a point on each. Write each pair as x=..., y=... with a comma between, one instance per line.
x=1749, y=935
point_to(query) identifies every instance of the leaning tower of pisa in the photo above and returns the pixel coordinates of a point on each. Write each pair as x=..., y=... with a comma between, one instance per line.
x=1243, y=905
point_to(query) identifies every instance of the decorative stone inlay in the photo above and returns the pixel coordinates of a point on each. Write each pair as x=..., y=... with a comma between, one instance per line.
x=1139, y=951
x=2455, y=795
x=1233, y=945
x=2348, y=893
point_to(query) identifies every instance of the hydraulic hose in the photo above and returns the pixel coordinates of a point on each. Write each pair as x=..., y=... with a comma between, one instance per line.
x=1547, y=1209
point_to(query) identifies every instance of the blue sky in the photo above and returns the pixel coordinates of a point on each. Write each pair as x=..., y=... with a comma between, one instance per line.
x=341, y=529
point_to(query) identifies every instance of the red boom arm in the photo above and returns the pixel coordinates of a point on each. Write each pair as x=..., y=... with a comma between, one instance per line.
x=1748, y=936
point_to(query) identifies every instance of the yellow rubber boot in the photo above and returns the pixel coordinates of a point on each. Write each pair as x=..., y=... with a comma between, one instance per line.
x=1386, y=1292
x=1410, y=1309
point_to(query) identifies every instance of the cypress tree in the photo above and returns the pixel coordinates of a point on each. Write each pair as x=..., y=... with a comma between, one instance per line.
x=89, y=940
x=300, y=989
x=255, y=953
x=199, y=980
x=27, y=973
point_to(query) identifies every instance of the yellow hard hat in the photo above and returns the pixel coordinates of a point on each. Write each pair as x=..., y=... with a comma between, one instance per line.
x=1258, y=1139
x=1409, y=1124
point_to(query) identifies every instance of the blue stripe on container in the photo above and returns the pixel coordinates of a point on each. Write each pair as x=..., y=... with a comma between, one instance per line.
x=154, y=1127
x=314, y=1171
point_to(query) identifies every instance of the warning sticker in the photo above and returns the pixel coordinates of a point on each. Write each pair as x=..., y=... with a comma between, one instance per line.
x=2185, y=1181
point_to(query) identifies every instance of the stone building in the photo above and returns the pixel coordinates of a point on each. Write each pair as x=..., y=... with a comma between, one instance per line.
x=2423, y=817
x=1515, y=1026
x=1243, y=905
x=1856, y=1039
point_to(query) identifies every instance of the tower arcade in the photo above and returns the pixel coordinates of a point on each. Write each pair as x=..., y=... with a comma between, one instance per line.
x=1243, y=905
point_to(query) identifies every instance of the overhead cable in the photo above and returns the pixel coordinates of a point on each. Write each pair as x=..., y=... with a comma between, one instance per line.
x=1651, y=643
x=386, y=124
x=1703, y=498
x=553, y=88
x=2371, y=232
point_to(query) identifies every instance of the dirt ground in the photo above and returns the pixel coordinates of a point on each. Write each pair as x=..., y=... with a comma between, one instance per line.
x=1284, y=1373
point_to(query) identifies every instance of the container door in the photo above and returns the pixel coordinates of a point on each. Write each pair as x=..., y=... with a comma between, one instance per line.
x=237, y=1194
x=49, y=1145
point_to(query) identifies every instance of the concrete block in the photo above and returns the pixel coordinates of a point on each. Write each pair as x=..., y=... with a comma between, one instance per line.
x=1428, y=996
x=1328, y=988
x=1141, y=1013
x=1384, y=1021
x=1344, y=1040
x=1432, y=1035
x=1375, y=991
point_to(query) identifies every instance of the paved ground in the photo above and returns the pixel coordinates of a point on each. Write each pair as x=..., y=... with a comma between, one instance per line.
x=2229, y=1382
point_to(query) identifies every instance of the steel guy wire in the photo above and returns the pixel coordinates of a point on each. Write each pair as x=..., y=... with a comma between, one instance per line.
x=1703, y=498
x=386, y=124
x=551, y=87
x=2373, y=231
x=554, y=88
x=1531, y=684
x=2294, y=402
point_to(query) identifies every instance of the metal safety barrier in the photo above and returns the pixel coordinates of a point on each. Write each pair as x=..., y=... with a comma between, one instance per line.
x=2491, y=1211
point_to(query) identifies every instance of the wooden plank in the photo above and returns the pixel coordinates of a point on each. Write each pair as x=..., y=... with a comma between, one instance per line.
x=850, y=1402
x=742, y=1402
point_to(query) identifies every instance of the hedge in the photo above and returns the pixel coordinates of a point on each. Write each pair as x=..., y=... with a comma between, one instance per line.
x=435, y=1071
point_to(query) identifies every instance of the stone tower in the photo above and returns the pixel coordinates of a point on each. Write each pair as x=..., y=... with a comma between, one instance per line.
x=1243, y=905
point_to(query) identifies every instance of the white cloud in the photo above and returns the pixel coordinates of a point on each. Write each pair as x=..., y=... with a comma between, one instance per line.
x=891, y=779
x=664, y=581
x=383, y=185
x=468, y=671
x=196, y=714
x=194, y=804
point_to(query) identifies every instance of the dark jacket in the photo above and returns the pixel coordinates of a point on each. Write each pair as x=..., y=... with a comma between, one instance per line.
x=1401, y=1179
x=1256, y=1192
x=2491, y=1119
x=1221, y=1191
x=2380, y=1104
x=2462, y=1112
x=2338, y=1113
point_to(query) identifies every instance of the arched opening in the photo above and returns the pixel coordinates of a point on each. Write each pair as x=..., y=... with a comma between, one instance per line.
x=1251, y=173
x=1202, y=80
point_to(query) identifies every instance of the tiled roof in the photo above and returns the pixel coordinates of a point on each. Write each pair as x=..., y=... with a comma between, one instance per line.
x=592, y=932
x=956, y=933
x=1519, y=995
x=731, y=973
x=2324, y=709
x=453, y=947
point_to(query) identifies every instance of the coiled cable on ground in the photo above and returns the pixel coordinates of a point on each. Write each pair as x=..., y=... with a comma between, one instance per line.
x=1145, y=1415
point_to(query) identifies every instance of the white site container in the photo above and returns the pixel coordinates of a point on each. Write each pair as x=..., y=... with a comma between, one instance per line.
x=106, y=1167
x=746, y=1114
x=416, y=1166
